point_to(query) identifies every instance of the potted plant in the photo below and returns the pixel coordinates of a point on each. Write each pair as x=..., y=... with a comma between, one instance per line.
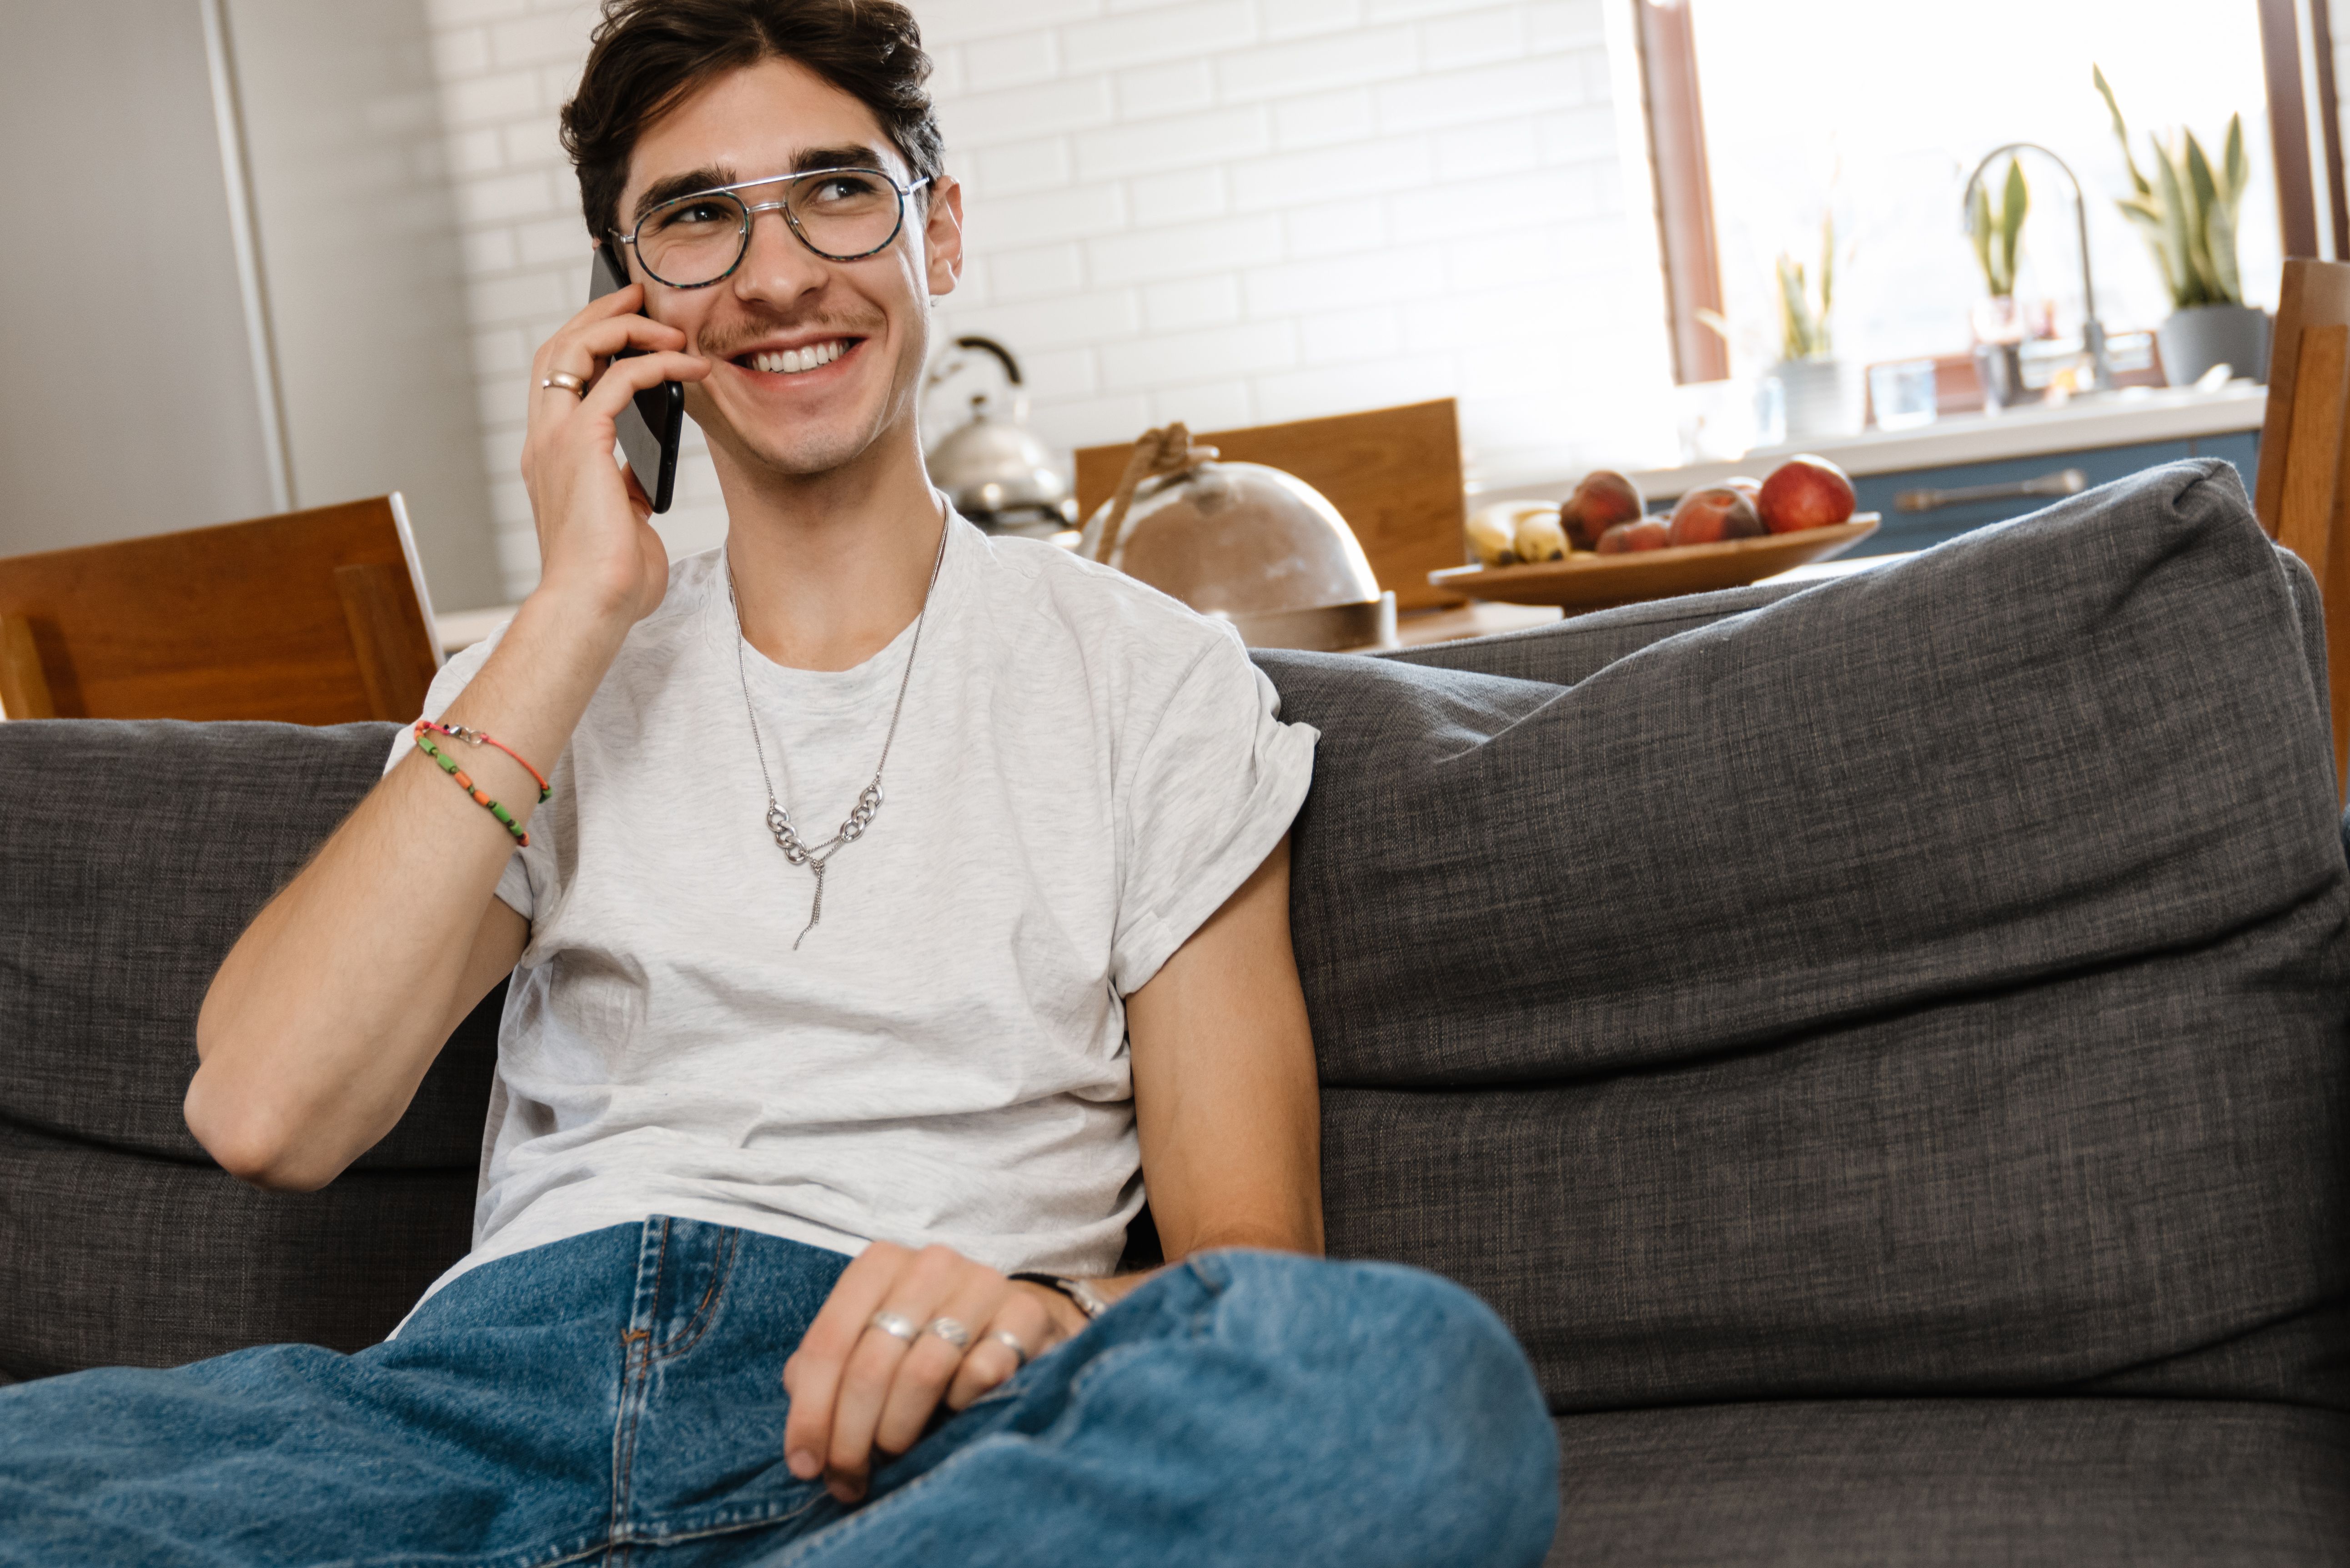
x=1811, y=380
x=2187, y=215
x=1999, y=321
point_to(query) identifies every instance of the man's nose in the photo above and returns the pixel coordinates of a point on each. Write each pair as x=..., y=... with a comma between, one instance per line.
x=776, y=266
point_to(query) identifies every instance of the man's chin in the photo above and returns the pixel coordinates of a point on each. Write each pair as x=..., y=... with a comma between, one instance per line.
x=801, y=453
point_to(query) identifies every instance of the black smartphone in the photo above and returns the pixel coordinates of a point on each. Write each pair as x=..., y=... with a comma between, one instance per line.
x=654, y=421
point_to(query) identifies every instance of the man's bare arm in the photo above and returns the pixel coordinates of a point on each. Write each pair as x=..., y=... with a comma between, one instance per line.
x=326, y=1014
x=1226, y=1100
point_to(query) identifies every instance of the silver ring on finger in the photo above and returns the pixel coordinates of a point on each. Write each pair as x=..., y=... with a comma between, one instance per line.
x=896, y=1326
x=566, y=381
x=1010, y=1342
x=948, y=1329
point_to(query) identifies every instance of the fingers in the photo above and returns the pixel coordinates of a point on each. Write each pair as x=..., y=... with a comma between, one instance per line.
x=990, y=1361
x=927, y=1281
x=618, y=307
x=812, y=1376
x=932, y=1360
x=624, y=378
x=599, y=340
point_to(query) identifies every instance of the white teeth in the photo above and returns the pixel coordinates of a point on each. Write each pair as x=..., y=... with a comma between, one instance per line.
x=792, y=361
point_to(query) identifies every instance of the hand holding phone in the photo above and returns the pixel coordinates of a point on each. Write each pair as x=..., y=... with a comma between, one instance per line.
x=653, y=422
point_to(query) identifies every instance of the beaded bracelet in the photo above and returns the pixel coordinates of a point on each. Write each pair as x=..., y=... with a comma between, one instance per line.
x=473, y=737
x=447, y=765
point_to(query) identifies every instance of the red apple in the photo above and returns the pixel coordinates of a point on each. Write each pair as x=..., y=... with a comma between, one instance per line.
x=1641, y=534
x=1746, y=484
x=1805, y=492
x=1713, y=514
x=1604, y=499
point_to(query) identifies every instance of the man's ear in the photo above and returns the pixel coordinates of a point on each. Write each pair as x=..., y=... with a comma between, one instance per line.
x=942, y=234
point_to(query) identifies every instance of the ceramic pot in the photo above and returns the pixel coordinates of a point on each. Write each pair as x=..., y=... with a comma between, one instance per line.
x=1819, y=400
x=2195, y=339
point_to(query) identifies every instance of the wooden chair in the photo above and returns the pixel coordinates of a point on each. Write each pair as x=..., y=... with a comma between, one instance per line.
x=2302, y=493
x=1394, y=474
x=311, y=618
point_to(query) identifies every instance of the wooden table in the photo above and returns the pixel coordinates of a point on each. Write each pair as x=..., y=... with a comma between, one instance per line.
x=1415, y=628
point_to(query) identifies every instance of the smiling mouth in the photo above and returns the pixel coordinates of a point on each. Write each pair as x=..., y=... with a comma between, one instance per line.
x=798, y=361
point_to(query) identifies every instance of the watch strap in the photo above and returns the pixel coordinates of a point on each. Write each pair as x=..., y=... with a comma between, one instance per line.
x=1091, y=1301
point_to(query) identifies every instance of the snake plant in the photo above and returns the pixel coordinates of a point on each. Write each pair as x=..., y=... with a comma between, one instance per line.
x=1803, y=320
x=1997, y=230
x=2187, y=211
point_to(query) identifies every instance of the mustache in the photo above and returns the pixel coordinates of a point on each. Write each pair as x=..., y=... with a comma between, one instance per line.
x=725, y=342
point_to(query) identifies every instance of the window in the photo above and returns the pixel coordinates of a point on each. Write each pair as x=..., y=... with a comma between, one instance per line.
x=1876, y=114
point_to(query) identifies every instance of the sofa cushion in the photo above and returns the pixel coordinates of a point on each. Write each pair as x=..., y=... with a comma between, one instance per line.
x=131, y=858
x=131, y=855
x=2085, y=735
x=1928, y=980
x=2068, y=1483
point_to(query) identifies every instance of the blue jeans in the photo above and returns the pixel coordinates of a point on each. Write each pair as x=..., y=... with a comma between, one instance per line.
x=617, y=1399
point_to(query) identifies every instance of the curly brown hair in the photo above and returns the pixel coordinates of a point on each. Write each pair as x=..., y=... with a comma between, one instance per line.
x=645, y=57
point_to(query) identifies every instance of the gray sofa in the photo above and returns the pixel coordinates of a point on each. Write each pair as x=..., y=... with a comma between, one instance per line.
x=1881, y=1047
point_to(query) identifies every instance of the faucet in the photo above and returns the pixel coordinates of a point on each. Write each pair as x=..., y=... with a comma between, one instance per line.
x=2092, y=331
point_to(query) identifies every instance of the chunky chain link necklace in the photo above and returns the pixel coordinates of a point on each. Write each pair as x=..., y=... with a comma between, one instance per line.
x=817, y=857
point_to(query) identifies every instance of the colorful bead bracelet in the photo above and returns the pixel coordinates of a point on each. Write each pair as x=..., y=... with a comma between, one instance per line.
x=447, y=765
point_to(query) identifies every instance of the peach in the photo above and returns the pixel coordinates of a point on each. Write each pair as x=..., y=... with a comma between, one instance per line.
x=1716, y=513
x=1805, y=492
x=1641, y=534
x=1602, y=499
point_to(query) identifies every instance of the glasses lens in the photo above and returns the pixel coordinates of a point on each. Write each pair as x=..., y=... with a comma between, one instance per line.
x=845, y=214
x=694, y=240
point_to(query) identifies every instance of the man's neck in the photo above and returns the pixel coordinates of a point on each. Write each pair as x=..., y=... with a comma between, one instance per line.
x=829, y=567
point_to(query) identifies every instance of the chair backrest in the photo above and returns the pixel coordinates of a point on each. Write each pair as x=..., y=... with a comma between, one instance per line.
x=309, y=618
x=2302, y=494
x=1394, y=474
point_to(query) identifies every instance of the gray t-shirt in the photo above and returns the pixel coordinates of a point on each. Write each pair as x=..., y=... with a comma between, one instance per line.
x=1084, y=772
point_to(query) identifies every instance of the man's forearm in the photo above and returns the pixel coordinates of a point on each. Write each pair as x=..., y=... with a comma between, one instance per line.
x=332, y=1004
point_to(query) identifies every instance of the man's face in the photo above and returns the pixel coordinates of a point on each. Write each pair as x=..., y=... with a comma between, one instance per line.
x=768, y=119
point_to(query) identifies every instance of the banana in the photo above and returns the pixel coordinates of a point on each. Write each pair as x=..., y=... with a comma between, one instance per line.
x=1540, y=538
x=1491, y=540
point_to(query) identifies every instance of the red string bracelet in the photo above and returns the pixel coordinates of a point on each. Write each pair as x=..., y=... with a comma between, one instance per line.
x=473, y=737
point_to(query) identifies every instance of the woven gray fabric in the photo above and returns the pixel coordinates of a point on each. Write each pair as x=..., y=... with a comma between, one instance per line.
x=1743, y=1022
x=130, y=856
x=2071, y=740
x=114, y=1258
x=1583, y=645
x=2063, y=1483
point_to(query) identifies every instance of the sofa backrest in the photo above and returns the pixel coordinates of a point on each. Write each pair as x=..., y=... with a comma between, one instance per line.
x=1929, y=980
x=131, y=853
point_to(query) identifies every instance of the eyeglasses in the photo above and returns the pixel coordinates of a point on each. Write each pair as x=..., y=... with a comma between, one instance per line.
x=841, y=214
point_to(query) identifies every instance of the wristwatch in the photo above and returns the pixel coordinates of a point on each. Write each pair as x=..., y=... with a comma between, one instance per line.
x=1091, y=1301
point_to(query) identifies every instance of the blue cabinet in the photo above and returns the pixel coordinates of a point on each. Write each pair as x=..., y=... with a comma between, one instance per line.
x=1916, y=530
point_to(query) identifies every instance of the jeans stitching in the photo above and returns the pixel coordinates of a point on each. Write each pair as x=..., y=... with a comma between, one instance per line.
x=624, y=1447
x=699, y=1324
x=636, y=1380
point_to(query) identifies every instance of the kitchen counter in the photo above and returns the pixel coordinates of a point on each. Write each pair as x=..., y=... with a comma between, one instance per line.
x=2135, y=416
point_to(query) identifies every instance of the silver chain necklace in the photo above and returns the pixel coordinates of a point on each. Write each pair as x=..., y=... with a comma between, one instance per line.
x=817, y=856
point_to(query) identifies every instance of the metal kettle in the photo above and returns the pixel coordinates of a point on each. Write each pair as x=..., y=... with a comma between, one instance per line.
x=996, y=471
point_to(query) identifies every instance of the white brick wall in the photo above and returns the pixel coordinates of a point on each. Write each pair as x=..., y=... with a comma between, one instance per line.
x=1225, y=212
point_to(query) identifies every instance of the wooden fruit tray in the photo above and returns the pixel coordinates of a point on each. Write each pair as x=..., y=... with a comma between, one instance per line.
x=1583, y=581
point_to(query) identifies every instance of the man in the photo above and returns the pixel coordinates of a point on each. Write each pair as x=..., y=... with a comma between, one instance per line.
x=782, y=1108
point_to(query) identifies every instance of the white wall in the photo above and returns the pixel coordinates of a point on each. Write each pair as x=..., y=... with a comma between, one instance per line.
x=1226, y=212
